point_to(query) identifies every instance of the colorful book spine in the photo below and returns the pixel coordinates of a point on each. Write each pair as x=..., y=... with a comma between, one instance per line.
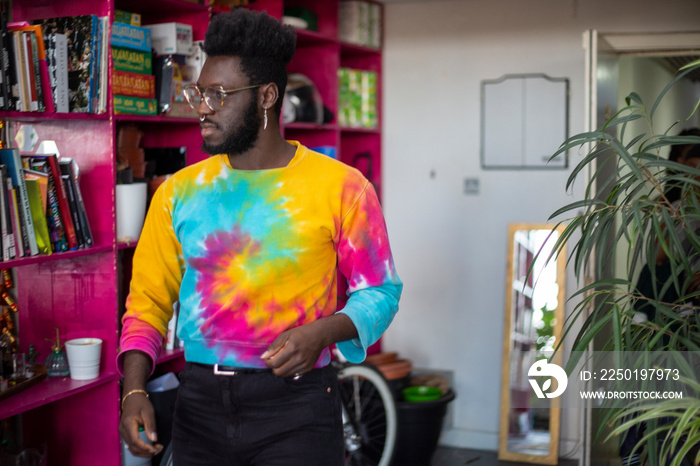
x=80, y=217
x=133, y=84
x=8, y=76
x=133, y=61
x=15, y=221
x=13, y=161
x=8, y=238
x=57, y=232
x=133, y=37
x=41, y=229
x=60, y=44
x=34, y=72
x=73, y=205
x=62, y=196
x=135, y=105
x=24, y=99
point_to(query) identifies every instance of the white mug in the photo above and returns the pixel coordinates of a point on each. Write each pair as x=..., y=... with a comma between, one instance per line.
x=84, y=358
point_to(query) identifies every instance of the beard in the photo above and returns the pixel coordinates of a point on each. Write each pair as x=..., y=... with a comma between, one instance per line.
x=239, y=139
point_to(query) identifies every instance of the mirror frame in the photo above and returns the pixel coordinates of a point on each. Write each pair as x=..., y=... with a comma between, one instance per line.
x=555, y=403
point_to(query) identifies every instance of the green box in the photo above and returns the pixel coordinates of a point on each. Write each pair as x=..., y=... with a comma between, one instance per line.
x=121, y=16
x=135, y=105
x=134, y=61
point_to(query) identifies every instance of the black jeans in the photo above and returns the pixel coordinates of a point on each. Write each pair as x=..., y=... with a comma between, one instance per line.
x=257, y=419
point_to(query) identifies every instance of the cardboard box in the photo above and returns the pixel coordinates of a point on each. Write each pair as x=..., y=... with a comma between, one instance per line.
x=171, y=38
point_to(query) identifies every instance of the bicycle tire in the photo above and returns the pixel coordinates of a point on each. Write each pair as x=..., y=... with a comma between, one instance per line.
x=167, y=459
x=371, y=406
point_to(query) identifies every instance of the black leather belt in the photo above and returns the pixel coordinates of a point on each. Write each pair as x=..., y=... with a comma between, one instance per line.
x=219, y=369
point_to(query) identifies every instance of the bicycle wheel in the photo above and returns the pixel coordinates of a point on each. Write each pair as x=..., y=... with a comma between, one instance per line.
x=369, y=416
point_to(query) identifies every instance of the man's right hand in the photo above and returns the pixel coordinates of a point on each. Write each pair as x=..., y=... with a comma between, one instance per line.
x=137, y=410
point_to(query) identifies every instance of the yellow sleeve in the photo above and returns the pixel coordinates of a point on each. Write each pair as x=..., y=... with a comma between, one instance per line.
x=158, y=266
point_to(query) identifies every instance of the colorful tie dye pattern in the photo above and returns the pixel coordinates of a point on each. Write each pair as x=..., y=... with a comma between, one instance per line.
x=250, y=254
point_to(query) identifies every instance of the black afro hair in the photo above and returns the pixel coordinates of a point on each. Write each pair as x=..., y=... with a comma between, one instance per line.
x=263, y=43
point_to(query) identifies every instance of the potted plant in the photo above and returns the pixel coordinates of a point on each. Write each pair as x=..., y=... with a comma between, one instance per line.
x=638, y=249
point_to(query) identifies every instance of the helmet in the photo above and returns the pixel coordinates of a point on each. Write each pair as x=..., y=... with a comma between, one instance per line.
x=302, y=101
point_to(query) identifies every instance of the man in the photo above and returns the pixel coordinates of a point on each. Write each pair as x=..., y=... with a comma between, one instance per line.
x=250, y=242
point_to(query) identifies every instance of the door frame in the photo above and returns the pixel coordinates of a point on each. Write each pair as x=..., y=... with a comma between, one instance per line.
x=607, y=47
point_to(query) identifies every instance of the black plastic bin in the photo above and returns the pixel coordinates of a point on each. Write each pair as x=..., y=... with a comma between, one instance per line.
x=418, y=433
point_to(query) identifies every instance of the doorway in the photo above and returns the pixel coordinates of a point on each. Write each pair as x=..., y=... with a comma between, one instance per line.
x=618, y=64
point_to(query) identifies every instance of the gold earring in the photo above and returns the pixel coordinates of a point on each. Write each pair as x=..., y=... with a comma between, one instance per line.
x=265, y=120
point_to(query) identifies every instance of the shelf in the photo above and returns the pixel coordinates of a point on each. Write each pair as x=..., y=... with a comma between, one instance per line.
x=36, y=116
x=311, y=126
x=49, y=390
x=127, y=244
x=305, y=37
x=348, y=129
x=169, y=355
x=346, y=48
x=154, y=119
x=155, y=6
x=55, y=256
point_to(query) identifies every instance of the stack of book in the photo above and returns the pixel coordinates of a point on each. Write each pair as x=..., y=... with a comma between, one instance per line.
x=360, y=23
x=133, y=82
x=357, y=102
x=54, y=65
x=41, y=206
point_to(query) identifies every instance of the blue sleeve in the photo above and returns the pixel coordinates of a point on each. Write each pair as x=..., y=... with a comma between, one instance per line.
x=371, y=310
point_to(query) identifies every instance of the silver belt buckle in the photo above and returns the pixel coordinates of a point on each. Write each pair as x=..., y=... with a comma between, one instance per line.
x=219, y=372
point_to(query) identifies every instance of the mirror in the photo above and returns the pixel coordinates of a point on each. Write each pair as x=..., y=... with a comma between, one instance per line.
x=534, y=316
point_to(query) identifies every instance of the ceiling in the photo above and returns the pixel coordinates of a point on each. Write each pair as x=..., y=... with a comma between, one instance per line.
x=675, y=63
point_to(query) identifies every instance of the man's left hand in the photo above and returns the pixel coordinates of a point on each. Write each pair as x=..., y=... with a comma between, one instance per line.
x=295, y=351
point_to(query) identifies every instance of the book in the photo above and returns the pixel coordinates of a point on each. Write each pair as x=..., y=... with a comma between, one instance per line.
x=134, y=61
x=82, y=38
x=42, y=180
x=68, y=170
x=31, y=72
x=10, y=86
x=57, y=232
x=15, y=221
x=8, y=238
x=39, y=46
x=73, y=205
x=22, y=89
x=127, y=17
x=62, y=196
x=41, y=229
x=134, y=105
x=11, y=158
x=96, y=67
x=59, y=71
x=103, y=85
x=4, y=95
x=132, y=37
x=133, y=84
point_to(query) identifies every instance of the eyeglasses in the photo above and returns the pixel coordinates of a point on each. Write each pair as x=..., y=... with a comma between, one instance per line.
x=214, y=98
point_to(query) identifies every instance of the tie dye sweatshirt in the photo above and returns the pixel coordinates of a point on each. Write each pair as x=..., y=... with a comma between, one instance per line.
x=250, y=254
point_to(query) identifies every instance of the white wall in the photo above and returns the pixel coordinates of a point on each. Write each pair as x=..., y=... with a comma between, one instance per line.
x=450, y=248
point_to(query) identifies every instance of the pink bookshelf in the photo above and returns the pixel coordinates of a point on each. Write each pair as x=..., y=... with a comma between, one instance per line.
x=82, y=291
x=52, y=389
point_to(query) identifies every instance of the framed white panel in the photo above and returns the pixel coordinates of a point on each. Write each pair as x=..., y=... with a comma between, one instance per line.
x=524, y=120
